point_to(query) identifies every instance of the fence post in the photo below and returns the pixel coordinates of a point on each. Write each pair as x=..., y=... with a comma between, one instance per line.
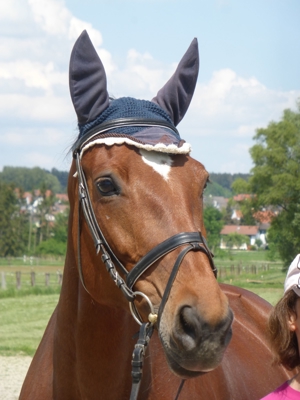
x=59, y=278
x=47, y=278
x=18, y=279
x=32, y=278
x=3, y=280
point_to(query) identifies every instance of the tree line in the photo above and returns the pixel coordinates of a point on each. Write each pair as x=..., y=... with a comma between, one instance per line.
x=29, y=179
x=273, y=185
x=30, y=228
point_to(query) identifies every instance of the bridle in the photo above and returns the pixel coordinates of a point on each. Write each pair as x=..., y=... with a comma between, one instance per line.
x=193, y=241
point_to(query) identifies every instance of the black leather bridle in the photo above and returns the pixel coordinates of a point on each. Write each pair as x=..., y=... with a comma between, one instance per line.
x=193, y=241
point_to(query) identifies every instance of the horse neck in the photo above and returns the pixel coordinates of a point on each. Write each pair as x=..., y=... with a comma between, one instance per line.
x=82, y=307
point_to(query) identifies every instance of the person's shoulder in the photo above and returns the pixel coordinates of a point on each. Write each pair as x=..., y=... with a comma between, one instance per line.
x=278, y=393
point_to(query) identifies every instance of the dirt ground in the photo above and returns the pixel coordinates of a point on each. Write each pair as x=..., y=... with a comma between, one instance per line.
x=12, y=373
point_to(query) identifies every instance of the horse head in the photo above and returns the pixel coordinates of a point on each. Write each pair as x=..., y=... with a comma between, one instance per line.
x=142, y=198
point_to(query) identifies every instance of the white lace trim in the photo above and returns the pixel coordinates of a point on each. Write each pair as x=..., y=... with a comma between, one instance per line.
x=160, y=147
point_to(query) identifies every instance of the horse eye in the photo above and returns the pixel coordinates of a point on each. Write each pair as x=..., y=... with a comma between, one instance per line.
x=205, y=186
x=106, y=187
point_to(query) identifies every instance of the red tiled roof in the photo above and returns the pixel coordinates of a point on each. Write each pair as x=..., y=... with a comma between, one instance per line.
x=241, y=197
x=62, y=196
x=264, y=217
x=248, y=230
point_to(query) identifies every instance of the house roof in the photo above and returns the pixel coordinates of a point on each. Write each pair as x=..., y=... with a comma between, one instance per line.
x=249, y=230
x=218, y=202
x=241, y=197
x=264, y=217
x=62, y=196
x=237, y=214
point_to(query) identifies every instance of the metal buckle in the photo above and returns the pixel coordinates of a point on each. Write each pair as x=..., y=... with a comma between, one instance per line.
x=152, y=317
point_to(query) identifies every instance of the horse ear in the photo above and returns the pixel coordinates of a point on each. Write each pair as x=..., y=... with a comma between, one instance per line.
x=175, y=96
x=87, y=80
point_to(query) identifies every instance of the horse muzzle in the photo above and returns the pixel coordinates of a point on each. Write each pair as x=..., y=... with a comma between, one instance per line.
x=193, y=346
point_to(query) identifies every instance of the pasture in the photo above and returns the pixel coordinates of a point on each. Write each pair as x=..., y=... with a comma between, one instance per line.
x=24, y=312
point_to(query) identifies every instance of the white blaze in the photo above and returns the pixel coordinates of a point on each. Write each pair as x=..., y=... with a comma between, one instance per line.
x=160, y=162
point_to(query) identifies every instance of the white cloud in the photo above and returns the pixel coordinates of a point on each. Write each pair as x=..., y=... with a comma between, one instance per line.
x=51, y=16
x=20, y=137
x=13, y=11
x=51, y=109
x=33, y=74
x=36, y=40
x=239, y=104
x=142, y=76
x=39, y=159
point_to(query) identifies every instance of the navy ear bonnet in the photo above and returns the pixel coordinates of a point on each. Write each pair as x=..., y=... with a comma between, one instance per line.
x=127, y=107
x=94, y=108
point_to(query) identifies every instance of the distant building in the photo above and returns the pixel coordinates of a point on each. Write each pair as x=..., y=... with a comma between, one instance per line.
x=242, y=197
x=219, y=202
x=265, y=216
x=253, y=232
x=236, y=215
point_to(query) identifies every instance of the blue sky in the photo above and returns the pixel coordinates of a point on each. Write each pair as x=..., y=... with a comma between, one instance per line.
x=249, y=70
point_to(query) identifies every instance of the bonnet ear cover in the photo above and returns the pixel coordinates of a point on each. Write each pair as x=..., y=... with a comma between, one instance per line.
x=87, y=80
x=175, y=96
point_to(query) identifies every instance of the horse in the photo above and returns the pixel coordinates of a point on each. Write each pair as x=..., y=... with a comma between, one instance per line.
x=136, y=237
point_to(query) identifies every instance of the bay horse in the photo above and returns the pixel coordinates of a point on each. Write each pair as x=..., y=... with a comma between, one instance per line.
x=136, y=236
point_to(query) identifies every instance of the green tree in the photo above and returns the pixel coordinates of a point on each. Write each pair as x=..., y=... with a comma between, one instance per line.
x=57, y=243
x=246, y=206
x=235, y=240
x=213, y=223
x=13, y=221
x=215, y=189
x=45, y=209
x=62, y=176
x=226, y=179
x=30, y=178
x=275, y=180
x=241, y=186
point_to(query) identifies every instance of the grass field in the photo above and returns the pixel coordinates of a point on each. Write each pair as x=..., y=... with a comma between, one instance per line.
x=24, y=313
x=23, y=321
x=31, y=262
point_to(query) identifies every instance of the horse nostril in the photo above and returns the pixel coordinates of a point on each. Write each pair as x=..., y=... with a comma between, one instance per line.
x=188, y=322
x=187, y=329
x=190, y=330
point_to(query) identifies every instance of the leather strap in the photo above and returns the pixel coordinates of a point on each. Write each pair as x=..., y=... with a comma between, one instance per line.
x=172, y=277
x=164, y=248
x=138, y=355
x=90, y=217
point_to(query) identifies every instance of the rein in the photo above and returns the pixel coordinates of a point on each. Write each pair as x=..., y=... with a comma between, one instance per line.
x=194, y=241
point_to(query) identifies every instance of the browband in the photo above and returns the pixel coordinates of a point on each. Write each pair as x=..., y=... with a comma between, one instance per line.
x=120, y=123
